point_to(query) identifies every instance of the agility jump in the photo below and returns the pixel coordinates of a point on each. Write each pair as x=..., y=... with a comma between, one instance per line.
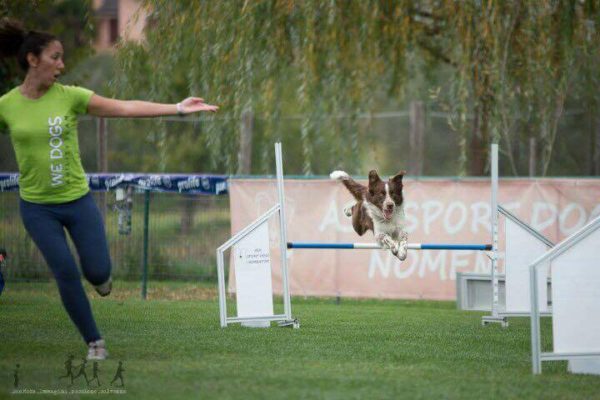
x=286, y=319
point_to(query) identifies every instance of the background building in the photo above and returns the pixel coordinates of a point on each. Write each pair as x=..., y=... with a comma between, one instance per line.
x=116, y=19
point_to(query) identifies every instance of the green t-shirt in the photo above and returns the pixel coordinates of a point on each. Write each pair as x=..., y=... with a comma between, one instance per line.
x=44, y=135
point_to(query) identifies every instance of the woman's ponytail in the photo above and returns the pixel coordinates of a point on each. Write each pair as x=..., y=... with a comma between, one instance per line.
x=15, y=41
x=12, y=37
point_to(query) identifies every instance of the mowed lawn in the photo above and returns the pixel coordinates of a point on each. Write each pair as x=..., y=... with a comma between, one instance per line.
x=172, y=347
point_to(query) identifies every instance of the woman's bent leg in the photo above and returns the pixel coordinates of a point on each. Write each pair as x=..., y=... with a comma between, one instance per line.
x=44, y=225
x=86, y=228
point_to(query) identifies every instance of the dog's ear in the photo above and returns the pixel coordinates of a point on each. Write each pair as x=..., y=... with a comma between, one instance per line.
x=398, y=177
x=373, y=180
x=396, y=181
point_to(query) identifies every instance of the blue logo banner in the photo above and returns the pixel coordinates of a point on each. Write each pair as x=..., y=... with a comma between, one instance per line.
x=177, y=183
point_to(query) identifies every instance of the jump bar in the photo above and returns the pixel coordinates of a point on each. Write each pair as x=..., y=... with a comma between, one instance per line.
x=372, y=246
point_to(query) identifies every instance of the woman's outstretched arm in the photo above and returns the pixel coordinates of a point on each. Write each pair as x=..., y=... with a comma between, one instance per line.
x=104, y=107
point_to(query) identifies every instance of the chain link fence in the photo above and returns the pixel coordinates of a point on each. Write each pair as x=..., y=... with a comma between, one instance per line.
x=183, y=233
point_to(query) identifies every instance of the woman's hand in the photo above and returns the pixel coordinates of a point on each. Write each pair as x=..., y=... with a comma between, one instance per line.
x=194, y=104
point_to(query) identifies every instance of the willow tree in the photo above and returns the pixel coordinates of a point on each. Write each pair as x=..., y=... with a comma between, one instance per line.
x=516, y=64
x=513, y=63
x=309, y=58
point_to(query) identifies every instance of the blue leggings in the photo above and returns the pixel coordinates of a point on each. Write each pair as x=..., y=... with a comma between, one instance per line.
x=46, y=224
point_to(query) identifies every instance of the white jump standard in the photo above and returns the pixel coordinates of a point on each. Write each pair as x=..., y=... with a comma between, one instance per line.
x=285, y=319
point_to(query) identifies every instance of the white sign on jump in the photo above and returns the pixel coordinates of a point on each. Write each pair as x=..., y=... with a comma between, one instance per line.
x=576, y=303
x=522, y=248
x=254, y=292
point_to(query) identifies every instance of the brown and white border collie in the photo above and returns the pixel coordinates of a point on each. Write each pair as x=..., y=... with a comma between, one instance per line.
x=379, y=208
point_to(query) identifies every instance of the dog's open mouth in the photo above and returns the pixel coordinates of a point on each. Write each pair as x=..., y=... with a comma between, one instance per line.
x=387, y=213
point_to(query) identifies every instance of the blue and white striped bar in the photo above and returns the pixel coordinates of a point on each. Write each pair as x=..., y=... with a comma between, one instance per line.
x=373, y=246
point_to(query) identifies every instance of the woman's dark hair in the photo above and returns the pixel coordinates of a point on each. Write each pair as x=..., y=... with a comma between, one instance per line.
x=16, y=41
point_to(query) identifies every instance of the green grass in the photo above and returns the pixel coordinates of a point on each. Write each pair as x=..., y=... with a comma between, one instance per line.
x=173, y=348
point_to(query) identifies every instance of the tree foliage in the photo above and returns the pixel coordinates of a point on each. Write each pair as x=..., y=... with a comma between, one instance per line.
x=518, y=62
x=67, y=19
x=514, y=66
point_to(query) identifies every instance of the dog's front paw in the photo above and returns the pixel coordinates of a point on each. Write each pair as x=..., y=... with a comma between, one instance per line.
x=401, y=250
x=339, y=175
x=386, y=242
x=402, y=246
x=380, y=238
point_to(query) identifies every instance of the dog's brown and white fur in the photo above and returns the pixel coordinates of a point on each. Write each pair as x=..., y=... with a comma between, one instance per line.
x=379, y=208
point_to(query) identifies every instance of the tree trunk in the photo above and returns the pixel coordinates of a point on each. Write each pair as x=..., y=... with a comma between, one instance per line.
x=532, y=156
x=188, y=209
x=245, y=153
x=596, y=163
x=416, y=138
x=478, y=142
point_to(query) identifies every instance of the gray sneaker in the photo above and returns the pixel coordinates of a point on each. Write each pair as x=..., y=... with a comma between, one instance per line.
x=105, y=288
x=97, y=350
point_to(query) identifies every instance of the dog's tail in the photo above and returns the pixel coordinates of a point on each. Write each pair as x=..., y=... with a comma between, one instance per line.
x=357, y=190
x=339, y=175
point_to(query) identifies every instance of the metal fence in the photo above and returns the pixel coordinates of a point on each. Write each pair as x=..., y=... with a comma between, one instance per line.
x=183, y=232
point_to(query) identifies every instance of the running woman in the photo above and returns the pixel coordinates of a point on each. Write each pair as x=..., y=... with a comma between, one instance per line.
x=41, y=115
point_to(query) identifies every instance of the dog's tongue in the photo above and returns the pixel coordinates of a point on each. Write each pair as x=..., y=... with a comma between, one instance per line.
x=387, y=214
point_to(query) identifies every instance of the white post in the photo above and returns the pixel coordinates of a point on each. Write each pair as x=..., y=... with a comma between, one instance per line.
x=494, y=257
x=287, y=306
x=535, y=322
x=494, y=216
x=222, y=292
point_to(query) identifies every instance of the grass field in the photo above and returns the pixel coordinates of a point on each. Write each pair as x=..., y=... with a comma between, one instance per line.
x=172, y=347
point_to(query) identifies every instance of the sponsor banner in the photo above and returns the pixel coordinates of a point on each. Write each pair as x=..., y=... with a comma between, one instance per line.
x=9, y=182
x=179, y=183
x=437, y=211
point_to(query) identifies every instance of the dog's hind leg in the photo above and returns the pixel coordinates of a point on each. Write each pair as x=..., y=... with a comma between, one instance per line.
x=348, y=210
x=360, y=220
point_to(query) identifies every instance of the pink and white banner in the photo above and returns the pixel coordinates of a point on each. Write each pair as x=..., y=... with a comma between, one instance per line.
x=437, y=211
